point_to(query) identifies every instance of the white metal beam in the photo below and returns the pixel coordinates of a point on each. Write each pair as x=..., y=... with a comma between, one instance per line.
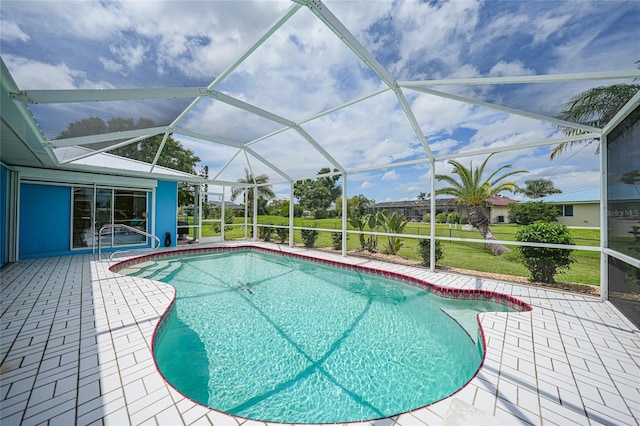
x=623, y=113
x=106, y=95
x=267, y=163
x=109, y=148
x=290, y=12
x=338, y=28
x=107, y=137
x=207, y=138
x=525, y=79
x=507, y=109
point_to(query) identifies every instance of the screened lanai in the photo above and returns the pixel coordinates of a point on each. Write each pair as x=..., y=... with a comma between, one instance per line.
x=381, y=94
x=131, y=113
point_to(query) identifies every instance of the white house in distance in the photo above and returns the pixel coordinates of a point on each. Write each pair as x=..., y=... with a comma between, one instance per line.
x=577, y=208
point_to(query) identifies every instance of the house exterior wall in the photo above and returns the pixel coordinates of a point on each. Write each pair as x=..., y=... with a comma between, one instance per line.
x=166, y=211
x=45, y=218
x=586, y=215
x=45, y=221
x=498, y=212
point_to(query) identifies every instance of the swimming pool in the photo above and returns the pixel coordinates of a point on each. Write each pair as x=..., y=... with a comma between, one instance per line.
x=282, y=339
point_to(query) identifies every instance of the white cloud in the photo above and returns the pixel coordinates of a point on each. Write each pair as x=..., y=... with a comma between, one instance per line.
x=30, y=74
x=365, y=185
x=10, y=31
x=514, y=68
x=390, y=175
x=110, y=65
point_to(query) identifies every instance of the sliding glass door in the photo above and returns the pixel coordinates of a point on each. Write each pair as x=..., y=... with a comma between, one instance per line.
x=95, y=207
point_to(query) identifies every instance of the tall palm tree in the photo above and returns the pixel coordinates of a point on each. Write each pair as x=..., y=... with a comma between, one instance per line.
x=473, y=191
x=264, y=191
x=594, y=107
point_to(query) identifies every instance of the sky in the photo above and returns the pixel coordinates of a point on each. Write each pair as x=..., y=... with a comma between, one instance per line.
x=303, y=70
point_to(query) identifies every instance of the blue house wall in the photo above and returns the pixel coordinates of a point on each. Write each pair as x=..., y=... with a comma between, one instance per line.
x=45, y=219
x=166, y=210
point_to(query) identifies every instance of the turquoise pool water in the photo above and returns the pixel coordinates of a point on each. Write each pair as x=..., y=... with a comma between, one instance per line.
x=272, y=338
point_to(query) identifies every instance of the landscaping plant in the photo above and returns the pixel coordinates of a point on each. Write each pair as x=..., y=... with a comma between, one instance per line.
x=394, y=224
x=265, y=232
x=283, y=234
x=424, y=251
x=544, y=263
x=336, y=240
x=309, y=236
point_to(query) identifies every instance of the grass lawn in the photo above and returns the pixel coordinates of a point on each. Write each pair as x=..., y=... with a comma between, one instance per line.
x=473, y=256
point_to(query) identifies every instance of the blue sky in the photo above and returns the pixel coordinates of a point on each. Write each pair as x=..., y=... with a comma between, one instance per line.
x=304, y=69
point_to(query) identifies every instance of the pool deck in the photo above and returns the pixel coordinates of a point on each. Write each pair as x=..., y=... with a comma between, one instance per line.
x=76, y=349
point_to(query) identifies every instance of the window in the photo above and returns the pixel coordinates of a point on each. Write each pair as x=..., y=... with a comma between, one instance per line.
x=94, y=208
x=565, y=210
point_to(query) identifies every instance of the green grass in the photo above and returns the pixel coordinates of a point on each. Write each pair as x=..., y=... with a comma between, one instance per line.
x=464, y=255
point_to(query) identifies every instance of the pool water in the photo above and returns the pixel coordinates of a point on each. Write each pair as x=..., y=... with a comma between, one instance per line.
x=272, y=338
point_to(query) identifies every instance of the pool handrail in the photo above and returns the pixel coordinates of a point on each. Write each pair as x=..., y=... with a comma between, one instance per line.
x=128, y=228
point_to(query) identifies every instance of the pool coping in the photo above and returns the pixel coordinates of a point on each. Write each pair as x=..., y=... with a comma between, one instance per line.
x=439, y=291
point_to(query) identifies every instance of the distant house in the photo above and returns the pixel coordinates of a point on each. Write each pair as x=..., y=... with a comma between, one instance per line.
x=577, y=208
x=499, y=209
x=414, y=210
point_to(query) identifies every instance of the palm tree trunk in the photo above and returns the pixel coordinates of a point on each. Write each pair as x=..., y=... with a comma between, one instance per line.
x=479, y=220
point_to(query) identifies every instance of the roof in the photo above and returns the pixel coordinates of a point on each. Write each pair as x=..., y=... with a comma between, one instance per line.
x=497, y=201
x=587, y=195
x=493, y=200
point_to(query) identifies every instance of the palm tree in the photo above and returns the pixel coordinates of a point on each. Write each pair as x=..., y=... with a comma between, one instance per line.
x=264, y=191
x=472, y=191
x=537, y=188
x=594, y=107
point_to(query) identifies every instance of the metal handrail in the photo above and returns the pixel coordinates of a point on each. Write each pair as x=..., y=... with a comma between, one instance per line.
x=129, y=228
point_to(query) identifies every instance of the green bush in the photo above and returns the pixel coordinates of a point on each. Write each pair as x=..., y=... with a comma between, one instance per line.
x=336, y=240
x=544, y=263
x=424, y=251
x=464, y=221
x=265, y=232
x=426, y=217
x=441, y=218
x=527, y=213
x=453, y=217
x=309, y=236
x=283, y=234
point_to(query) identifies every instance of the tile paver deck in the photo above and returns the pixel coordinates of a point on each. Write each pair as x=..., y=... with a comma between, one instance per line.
x=76, y=349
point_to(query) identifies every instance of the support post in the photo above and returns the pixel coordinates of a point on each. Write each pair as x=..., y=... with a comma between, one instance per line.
x=345, y=212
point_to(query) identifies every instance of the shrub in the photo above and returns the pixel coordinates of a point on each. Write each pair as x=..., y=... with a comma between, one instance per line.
x=265, y=232
x=424, y=251
x=283, y=234
x=453, y=217
x=527, y=213
x=543, y=263
x=441, y=218
x=426, y=217
x=464, y=221
x=336, y=240
x=309, y=236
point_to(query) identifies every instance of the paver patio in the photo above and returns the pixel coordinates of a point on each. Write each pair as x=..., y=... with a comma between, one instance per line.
x=76, y=349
